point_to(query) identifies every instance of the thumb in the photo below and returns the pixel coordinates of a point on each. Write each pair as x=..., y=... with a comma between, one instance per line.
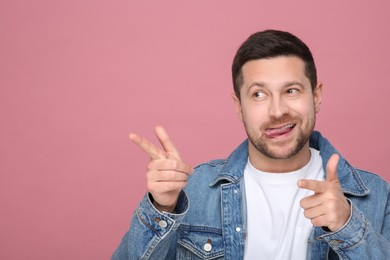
x=331, y=168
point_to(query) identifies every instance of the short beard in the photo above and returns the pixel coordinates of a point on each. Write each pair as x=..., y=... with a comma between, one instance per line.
x=301, y=140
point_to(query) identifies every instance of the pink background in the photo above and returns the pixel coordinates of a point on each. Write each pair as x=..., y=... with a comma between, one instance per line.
x=77, y=76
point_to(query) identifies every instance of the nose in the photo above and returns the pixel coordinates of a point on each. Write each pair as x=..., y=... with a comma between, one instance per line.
x=278, y=107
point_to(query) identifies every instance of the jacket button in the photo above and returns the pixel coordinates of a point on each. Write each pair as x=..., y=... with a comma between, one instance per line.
x=238, y=229
x=207, y=247
x=162, y=223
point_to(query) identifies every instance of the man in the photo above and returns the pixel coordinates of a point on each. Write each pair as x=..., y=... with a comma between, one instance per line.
x=285, y=193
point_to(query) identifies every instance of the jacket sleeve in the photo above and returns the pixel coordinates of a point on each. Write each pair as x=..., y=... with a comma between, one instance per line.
x=358, y=239
x=152, y=233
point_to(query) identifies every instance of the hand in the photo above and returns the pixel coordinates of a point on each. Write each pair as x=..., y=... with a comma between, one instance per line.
x=167, y=173
x=327, y=206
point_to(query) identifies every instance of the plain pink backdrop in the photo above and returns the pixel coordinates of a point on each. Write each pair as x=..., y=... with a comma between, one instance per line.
x=77, y=76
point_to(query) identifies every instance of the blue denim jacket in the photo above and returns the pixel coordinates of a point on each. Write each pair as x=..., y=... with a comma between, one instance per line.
x=209, y=220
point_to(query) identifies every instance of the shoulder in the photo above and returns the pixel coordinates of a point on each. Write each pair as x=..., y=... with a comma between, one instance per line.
x=208, y=170
x=373, y=181
x=204, y=175
x=229, y=169
x=211, y=163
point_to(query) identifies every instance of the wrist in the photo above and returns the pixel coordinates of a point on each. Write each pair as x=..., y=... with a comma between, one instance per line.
x=161, y=208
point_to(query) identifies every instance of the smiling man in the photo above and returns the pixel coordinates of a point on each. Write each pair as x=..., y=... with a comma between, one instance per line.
x=285, y=193
x=278, y=112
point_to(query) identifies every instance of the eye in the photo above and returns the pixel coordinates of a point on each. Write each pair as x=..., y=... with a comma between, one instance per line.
x=292, y=91
x=258, y=94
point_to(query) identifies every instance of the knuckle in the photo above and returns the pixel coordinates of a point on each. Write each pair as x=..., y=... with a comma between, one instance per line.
x=150, y=186
x=188, y=168
x=149, y=176
x=174, y=164
x=316, y=222
x=153, y=164
x=161, y=154
x=183, y=185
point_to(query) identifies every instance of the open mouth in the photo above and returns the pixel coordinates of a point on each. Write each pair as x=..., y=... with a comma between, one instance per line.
x=279, y=131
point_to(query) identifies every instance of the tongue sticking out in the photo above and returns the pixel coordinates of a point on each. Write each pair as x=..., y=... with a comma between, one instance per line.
x=274, y=132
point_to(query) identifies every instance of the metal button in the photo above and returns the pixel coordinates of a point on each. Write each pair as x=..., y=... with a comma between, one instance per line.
x=235, y=191
x=162, y=223
x=333, y=242
x=207, y=247
x=238, y=229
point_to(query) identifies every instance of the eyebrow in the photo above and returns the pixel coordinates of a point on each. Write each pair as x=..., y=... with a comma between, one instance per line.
x=285, y=84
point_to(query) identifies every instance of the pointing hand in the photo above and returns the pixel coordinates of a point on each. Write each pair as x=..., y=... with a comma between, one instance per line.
x=327, y=207
x=167, y=173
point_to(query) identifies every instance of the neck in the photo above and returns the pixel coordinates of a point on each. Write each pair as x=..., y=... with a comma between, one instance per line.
x=266, y=164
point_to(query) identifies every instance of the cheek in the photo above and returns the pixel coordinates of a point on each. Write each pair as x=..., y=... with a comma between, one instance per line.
x=253, y=117
x=308, y=117
x=305, y=109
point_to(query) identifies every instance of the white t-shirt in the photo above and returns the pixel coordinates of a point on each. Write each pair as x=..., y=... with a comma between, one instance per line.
x=276, y=226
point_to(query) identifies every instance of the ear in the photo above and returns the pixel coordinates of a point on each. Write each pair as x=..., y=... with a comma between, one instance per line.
x=237, y=104
x=317, y=94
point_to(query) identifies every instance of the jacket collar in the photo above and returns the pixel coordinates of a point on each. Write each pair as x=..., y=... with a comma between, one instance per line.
x=350, y=180
x=233, y=167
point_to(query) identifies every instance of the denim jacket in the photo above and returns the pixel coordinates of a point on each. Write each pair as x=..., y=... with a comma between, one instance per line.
x=209, y=221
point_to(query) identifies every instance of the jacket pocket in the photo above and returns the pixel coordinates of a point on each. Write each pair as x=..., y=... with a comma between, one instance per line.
x=200, y=243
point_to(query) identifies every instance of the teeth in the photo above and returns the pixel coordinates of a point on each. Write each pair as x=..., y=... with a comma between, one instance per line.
x=284, y=127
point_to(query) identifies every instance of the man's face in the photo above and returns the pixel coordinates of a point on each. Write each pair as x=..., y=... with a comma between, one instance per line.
x=277, y=106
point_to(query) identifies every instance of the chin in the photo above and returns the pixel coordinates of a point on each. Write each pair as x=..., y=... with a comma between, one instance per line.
x=280, y=151
x=278, y=155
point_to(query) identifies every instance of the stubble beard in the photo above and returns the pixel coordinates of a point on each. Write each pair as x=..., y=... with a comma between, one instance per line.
x=275, y=150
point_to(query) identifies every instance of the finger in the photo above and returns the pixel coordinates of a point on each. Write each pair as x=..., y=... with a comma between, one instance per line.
x=311, y=201
x=314, y=212
x=147, y=147
x=167, y=143
x=331, y=168
x=314, y=185
x=166, y=176
x=169, y=164
x=319, y=221
x=158, y=188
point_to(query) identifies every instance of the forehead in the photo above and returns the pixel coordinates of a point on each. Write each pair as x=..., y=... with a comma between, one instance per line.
x=274, y=71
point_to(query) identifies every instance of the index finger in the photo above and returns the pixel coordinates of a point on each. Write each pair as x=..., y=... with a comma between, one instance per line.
x=147, y=147
x=313, y=185
x=167, y=143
